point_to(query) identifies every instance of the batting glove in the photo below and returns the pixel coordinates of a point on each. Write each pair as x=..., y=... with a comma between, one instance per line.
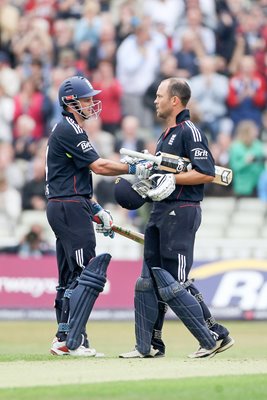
x=142, y=169
x=164, y=185
x=130, y=160
x=106, y=219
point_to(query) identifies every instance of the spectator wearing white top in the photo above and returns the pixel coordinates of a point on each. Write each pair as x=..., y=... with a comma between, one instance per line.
x=6, y=116
x=195, y=22
x=10, y=206
x=210, y=91
x=138, y=61
x=165, y=12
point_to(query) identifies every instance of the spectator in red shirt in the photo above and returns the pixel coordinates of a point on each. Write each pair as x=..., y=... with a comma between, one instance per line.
x=247, y=92
x=32, y=102
x=110, y=96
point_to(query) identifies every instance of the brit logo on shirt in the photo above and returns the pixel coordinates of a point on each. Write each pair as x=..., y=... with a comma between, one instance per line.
x=85, y=146
x=170, y=142
x=200, y=154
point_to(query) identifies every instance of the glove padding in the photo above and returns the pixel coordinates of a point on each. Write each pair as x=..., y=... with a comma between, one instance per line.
x=106, y=232
x=142, y=169
x=106, y=221
x=130, y=160
x=164, y=185
x=142, y=187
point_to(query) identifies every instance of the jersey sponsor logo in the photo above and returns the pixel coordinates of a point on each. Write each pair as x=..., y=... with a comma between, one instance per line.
x=85, y=146
x=170, y=142
x=235, y=288
x=200, y=154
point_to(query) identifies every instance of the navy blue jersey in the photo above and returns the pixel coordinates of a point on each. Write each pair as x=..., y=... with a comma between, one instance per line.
x=185, y=140
x=69, y=152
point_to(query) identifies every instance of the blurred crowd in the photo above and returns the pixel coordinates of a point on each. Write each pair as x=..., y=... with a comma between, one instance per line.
x=125, y=48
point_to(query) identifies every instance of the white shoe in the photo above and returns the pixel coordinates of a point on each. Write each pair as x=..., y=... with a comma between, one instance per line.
x=221, y=345
x=60, y=349
x=82, y=352
x=136, y=354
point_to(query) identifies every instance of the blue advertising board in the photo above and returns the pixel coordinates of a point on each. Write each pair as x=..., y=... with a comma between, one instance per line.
x=233, y=289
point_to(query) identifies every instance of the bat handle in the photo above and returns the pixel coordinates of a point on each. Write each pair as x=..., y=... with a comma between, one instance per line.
x=97, y=220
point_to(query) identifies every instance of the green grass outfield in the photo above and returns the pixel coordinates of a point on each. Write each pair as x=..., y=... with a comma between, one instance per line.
x=27, y=371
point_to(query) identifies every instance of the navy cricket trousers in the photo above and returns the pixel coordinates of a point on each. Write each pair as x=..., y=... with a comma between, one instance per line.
x=71, y=220
x=170, y=237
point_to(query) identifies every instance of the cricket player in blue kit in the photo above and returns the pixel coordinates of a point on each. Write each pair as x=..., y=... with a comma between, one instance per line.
x=70, y=161
x=170, y=235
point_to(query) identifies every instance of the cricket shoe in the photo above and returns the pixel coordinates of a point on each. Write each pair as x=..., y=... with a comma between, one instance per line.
x=226, y=343
x=60, y=349
x=154, y=353
x=221, y=345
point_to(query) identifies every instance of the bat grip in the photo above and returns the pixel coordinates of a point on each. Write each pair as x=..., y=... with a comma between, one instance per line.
x=97, y=220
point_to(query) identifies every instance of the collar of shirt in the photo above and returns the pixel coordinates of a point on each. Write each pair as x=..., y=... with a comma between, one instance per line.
x=181, y=117
x=68, y=114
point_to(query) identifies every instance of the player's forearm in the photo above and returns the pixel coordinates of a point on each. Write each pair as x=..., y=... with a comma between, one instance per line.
x=192, y=177
x=106, y=167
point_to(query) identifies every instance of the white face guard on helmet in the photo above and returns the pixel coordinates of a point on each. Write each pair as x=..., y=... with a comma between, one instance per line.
x=91, y=111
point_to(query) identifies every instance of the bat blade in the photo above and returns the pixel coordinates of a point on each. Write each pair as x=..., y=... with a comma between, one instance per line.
x=168, y=162
x=133, y=235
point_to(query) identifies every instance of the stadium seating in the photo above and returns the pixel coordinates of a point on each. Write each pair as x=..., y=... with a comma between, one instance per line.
x=230, y=228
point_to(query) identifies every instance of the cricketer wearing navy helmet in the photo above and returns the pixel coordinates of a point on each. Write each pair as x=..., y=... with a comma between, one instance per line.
x=70, y=161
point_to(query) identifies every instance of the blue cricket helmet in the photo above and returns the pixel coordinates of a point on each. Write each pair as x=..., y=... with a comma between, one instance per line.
x=126, y=196
x=75, y=87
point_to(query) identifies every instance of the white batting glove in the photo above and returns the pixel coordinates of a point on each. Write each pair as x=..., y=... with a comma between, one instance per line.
x=142, y=169
x=164, y=186
x=130, y=160
x=106, y=220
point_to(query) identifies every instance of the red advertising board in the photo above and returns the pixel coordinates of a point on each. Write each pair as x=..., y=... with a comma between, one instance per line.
x=31, y=282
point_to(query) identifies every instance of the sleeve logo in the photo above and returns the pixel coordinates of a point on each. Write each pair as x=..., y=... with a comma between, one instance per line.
x=200, y=154
x=85, y=146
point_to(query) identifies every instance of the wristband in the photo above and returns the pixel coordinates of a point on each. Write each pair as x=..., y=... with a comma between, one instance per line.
x=132, y=169
x=96, y=208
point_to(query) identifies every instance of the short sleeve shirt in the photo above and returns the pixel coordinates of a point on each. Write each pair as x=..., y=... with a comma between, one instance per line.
x=186, y=140
x=68, y=157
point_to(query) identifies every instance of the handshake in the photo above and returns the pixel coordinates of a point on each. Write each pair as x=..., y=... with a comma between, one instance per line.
x=142, y=169
x=153, y=185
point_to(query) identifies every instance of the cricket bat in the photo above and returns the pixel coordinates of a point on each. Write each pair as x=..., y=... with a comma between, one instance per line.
x=169, y=162
x=128, y=233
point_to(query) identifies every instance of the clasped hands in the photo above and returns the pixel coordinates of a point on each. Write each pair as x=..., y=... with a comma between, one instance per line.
x=162, y=185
